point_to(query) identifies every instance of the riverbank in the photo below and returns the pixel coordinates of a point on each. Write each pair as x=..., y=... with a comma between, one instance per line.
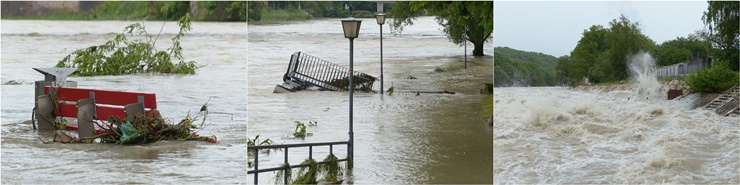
x=274, y=16
x=126, y=10
x=701, y=98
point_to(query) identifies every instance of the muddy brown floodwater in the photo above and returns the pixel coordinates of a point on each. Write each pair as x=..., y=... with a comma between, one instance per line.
x=399, y=138
x=221, y=47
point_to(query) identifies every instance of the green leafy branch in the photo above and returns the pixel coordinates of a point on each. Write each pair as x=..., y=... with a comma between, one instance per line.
x=124, y=55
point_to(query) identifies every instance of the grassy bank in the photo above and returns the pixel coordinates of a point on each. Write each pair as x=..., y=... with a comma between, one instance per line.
x=487, y=106
x=149, y=10
x=271, y=16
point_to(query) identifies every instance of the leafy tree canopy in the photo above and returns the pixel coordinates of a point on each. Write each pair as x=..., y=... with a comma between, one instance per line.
x=602, y=53
x=681, y=49
x=723, y=19
x=455, y=17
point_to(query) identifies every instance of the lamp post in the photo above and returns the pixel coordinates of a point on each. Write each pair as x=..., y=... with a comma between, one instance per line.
x=381, y=20
x=351, y=27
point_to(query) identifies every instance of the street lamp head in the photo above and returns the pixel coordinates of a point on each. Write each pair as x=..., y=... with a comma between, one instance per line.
x=380, y=18
x=351, y=27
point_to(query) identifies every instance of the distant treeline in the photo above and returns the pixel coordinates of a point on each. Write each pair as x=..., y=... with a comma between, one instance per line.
x=259, y=10
x=127, y=10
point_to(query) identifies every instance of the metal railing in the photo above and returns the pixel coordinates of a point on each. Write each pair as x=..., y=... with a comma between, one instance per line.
x=285, y=147
x=326, y=75
x=683, y=68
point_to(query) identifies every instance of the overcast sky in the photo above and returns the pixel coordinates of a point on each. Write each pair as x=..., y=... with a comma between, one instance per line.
x=554, y=28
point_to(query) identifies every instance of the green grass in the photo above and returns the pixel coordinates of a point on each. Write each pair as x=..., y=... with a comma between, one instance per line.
x=270, y=16
x=487, y=106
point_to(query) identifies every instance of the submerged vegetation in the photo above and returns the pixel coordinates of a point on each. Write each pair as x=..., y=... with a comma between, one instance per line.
x=124, y=55
x=15, y=82
x=328, y=171
x=300, y=129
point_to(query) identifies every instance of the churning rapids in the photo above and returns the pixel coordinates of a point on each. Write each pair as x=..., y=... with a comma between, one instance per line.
x=561, y=135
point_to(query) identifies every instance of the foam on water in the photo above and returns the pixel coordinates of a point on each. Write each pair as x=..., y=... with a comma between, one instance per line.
x=558, y=135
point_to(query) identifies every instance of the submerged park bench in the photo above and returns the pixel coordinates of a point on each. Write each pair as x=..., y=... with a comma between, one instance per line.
x=91, y=104
x=86, y=105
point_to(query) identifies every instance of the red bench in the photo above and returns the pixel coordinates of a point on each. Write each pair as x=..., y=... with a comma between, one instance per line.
x=92, y=104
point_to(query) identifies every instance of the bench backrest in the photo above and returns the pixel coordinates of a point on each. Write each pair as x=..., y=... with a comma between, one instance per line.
x=107, y=103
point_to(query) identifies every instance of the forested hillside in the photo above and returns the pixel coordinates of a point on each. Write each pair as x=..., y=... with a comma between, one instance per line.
x=523, y=68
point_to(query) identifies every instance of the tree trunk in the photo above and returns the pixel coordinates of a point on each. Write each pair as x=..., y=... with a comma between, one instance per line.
x=478, y=51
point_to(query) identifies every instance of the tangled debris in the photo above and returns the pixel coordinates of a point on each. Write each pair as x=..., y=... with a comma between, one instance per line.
x=140, y=129
x=361, y=82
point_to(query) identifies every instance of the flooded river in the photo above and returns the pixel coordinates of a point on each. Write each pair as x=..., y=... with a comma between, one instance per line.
x=221, y=47
x=557, y=135
x=400, y=138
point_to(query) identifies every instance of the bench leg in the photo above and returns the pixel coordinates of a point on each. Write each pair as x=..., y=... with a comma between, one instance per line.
x=85, y=116
x=131, y=110
x=44, y=111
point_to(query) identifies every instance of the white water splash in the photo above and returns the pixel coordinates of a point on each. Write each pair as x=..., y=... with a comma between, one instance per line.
x=642, y=68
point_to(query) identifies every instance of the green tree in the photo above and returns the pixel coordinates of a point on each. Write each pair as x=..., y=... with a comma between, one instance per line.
x=723, y=19
x=221, y=10
x=602, y=53
x=455, y=17
x=168, y=10
x=681, y=49
x=563, y=67
x=626, y=40
x=585, y=55
x=254, y=9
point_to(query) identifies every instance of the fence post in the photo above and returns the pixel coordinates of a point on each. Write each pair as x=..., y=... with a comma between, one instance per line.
x=285, y=175
x=256, y=165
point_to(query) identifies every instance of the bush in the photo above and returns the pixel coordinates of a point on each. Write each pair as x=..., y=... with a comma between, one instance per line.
x=717, y=78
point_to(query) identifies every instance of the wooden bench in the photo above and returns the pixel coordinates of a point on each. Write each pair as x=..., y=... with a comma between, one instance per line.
x=91, y=104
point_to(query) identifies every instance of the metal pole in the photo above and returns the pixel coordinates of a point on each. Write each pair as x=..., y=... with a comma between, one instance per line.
x=381, y=59
x=350, y=149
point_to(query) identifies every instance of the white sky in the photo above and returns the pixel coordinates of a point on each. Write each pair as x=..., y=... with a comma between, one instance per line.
x=554, y=27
